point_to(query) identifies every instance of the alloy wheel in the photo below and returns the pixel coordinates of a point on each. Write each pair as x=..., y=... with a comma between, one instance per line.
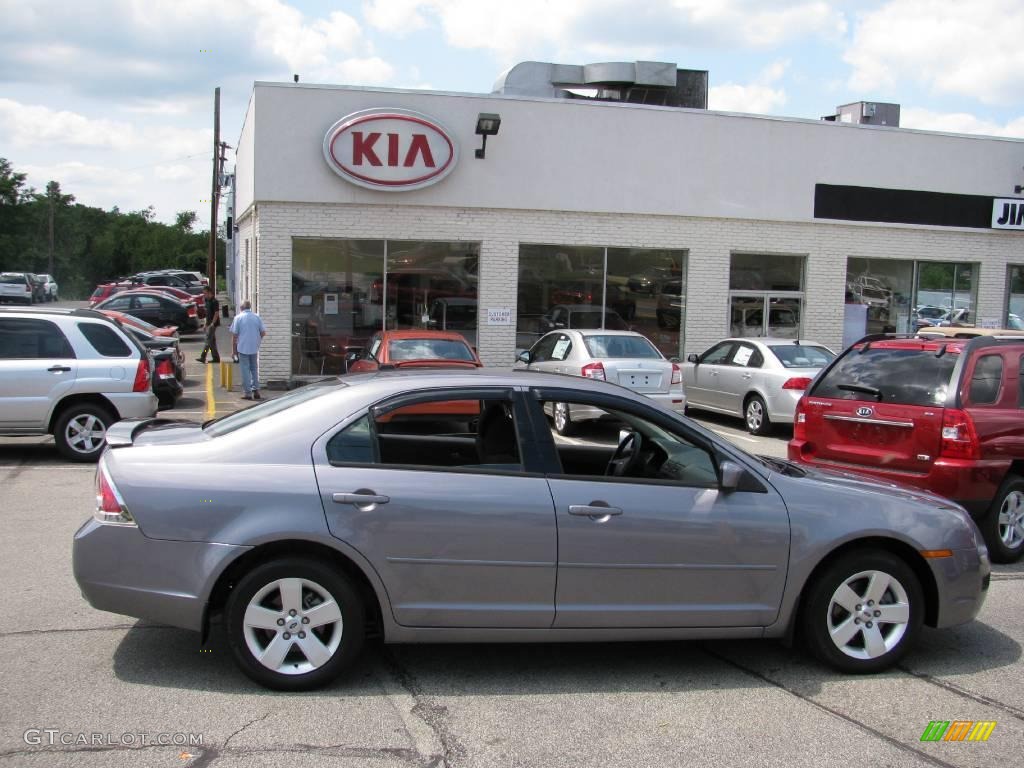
x=85, y=433
x=561, y=416
x=293, y=626
x=1011, y=520
x=755, y=415
x=868, y=614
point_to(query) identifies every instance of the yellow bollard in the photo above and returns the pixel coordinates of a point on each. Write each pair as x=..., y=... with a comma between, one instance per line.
x=226, y=375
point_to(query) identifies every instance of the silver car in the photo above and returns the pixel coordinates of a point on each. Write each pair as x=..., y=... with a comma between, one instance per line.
x=622, y=357
x=440, y=506
x=760, y=380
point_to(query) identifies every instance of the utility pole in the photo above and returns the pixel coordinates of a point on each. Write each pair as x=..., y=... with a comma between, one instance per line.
x=49, y=262
x=211, y=260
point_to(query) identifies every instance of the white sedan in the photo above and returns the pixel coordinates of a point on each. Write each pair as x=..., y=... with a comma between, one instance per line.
x=757, y=379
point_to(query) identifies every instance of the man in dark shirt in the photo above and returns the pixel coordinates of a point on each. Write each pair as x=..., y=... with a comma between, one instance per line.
x=212, y=322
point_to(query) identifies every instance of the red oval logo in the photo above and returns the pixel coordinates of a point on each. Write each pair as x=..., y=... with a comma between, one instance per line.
x=390, y=149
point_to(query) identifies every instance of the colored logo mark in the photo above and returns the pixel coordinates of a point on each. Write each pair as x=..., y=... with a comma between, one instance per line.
x=958, y=730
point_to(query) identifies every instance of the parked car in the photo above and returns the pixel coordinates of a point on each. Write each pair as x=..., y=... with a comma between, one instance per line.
x=650, y=279
x=105, y=290
x=49, y=287
x=38, y=288
x=168, y=279
x=965, y=332
x=156, y=308
x=760, y=380
x=870, y=290
x=927, y=315
x=70, y=374
x=169, y=331
x=568, y=316
x=671, y=304
x=588, y=292
x=16, y=287
x=184, y=297
x=415, y=349
x=622, y=357
x=325, y=524
x=941, y=415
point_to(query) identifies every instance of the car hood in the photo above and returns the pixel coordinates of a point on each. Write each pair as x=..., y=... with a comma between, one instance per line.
x=154, y=431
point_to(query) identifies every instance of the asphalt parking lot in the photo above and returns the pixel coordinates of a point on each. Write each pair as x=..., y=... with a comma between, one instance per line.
x=86, y=688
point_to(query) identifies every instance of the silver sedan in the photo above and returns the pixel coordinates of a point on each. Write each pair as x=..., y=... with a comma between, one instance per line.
x=626, y=358
x=439, y=506
x=757, y=379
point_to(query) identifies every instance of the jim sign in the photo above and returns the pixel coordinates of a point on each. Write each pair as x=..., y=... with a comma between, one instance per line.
x=390, y=149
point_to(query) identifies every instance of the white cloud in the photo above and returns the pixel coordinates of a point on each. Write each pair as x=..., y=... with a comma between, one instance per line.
x=959, y=122
x=973, y=49
x=74, y=176
x=607, y=27
x=27, y=124
x=759, y=97
x=177, y=172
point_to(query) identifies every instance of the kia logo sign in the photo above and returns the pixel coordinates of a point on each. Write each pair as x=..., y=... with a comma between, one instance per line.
x=390, y=149
x=864, y=411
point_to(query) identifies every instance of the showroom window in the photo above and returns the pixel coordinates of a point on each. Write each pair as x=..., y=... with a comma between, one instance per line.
x=639, y=289
x=1015, y=298
x=765, y=295
x=344, y=291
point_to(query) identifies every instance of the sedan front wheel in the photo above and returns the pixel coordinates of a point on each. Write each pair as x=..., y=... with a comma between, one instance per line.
x=294, y=625
x=864, y=612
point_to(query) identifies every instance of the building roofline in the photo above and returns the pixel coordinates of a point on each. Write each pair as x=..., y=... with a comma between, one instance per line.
x=617, y=105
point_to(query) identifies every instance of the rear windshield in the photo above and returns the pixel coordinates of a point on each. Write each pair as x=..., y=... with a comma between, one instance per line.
x=802, y=355
x=12, y=279
x=429, y=349
x=903, y=376
x=610, y=346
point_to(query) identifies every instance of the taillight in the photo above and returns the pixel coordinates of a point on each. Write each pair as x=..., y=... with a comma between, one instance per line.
x=142, y=380
x=110, y=507
x=800, y=421
x=959, y=440
x=677, y=374
x=192, y=312
x=798, y=382
x=165, y=369
x=593, y=371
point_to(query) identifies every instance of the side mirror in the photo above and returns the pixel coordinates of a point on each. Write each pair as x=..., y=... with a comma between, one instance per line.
x=693, y=358
x=525, y=357
x=732, y=475
x=674, y=359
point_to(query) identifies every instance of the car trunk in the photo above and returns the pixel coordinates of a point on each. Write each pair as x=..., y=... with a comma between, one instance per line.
x=640, y=375
x=880, y=409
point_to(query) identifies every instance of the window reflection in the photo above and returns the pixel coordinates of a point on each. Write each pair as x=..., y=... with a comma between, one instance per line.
x=1015, y=299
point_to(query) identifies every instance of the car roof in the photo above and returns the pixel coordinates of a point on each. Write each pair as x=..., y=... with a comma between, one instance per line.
x=89, y=314
x=775, y=341
x=962, y=332
x=599, y=332
x=424, y=333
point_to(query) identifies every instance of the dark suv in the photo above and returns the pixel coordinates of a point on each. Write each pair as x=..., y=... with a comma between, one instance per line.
x=943, y=415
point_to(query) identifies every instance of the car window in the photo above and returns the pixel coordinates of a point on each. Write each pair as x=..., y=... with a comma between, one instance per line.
x=32, y=339
x=239, y=419
x=428, y=349
x=747, y=356
x=374, y=346
x=1020, y=383
x=888, y=375
x=562, y=348
x=463, y=434
x=718, y=354
x=105, y=340
x=146, y=301
x=541, y=351
x=122, y=303
x=986, y=380
x=13, y=278
x=612, y=346
x=663, y=455
x=802, y=355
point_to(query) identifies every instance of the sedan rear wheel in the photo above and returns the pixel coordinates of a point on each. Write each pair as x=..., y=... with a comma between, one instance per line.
x=81, y=431
x=1003, y=525
x=756, y=415
x=563, y=419
x=294, y=625
x=864, y=612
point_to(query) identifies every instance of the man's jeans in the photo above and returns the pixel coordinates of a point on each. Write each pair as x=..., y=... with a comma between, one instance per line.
x=250, y=373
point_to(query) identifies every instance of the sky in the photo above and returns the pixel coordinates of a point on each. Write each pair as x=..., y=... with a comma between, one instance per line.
x=114, y=98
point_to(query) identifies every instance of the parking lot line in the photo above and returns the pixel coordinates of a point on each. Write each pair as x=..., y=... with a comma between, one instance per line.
x=211, y=400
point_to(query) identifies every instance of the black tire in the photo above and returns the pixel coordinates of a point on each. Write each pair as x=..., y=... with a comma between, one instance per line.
x=75, y=431
x=1005, y=545
x=820, y=615
x=755, y=415
x=325, y=580
x=561, y=416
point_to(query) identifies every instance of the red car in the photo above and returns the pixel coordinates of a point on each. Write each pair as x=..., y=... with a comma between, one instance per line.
x=416, y=349
x=105, y=290
x=942, y=415
x=184, y=297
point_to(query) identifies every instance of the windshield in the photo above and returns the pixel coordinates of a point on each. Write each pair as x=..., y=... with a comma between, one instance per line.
x=12, y=279
x=610, y=346
x=244, y=418
x=802, y=355
x=887, y=375
x=429, y=349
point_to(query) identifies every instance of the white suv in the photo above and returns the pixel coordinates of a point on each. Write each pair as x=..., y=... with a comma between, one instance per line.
x=70, y=373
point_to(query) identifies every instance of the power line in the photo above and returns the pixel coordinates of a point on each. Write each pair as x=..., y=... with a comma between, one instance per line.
x=203, y=155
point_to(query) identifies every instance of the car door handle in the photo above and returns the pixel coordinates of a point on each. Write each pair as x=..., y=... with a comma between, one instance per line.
x=595, y=510
x=748, y=375
x=58, y=369
x=359, y=499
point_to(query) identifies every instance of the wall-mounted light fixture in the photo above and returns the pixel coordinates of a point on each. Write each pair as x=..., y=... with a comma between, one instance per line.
x=486, y=125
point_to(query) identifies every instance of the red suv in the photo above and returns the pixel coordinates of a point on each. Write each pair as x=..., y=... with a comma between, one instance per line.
x=943, y=415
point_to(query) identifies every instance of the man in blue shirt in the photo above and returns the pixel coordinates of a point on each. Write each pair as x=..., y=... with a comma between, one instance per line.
x=247, y=331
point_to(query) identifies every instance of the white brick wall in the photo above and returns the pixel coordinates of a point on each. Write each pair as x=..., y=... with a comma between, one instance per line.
x=709, y=243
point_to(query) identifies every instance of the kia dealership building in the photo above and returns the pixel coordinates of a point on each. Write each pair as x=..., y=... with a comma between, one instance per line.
x=506, y=215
